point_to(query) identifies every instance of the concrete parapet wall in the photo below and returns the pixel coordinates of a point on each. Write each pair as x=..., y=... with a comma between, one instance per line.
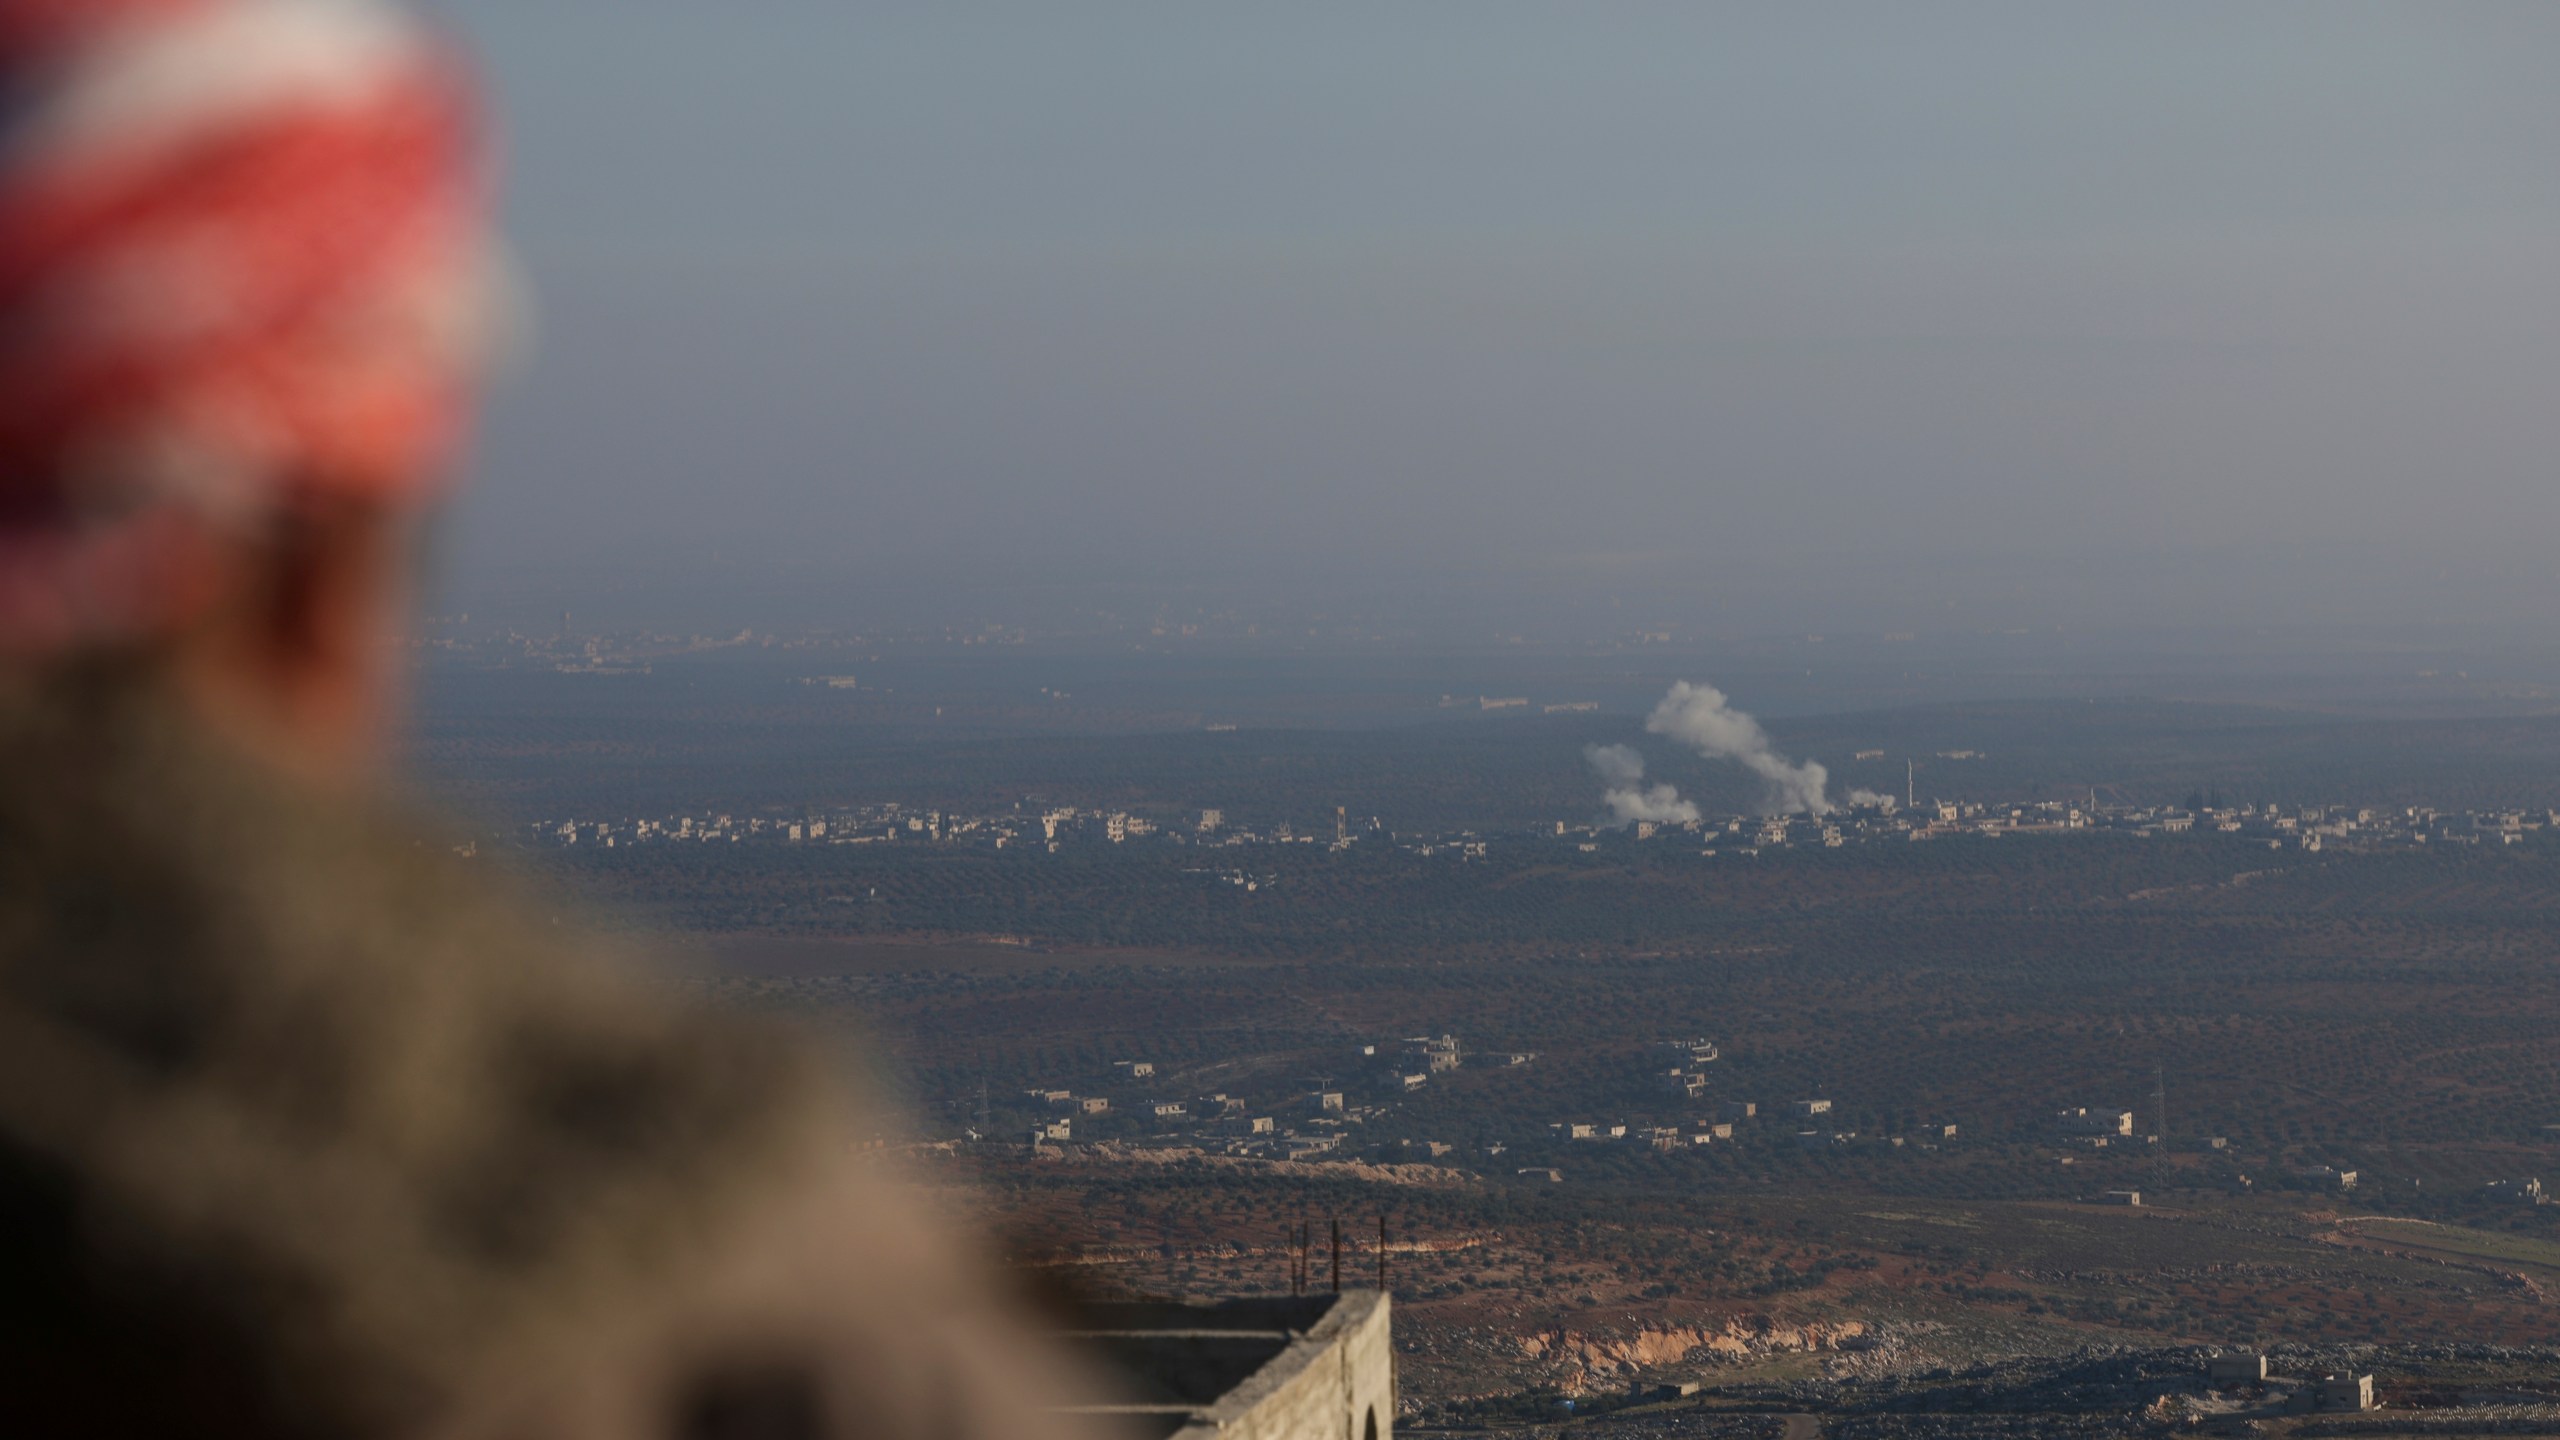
x=1281, y=1368
x=1337, y=1382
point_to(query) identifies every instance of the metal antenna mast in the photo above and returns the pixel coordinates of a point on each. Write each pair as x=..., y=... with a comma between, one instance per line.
x=2160, y=1118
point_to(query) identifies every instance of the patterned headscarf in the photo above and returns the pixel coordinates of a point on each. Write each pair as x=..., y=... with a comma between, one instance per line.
x=243, y=265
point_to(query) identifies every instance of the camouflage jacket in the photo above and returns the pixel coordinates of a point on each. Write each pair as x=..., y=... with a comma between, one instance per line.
x=307, y=1128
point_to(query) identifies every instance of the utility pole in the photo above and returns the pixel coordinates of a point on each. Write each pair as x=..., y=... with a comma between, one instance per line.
x=1910, y=783
x=2160, y=1118
x=1337, y=1254
x=1382, y=1253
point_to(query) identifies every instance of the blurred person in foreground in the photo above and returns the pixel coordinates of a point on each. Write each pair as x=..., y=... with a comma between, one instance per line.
x=304, y=1130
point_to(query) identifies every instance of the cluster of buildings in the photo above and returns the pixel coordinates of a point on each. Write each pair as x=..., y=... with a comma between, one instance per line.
x=889, y=823
x=2096, y=1129
x=1881, y=818
x=1812, y=1119
x=1309, y=1124
x=2082, y=1128
x=1420, y=1058
x=1322, y=1118
x=1328, y=1119
x=1679, y=1068
x=1875, y=819
x=1685, y=1135
x=1227, y=1120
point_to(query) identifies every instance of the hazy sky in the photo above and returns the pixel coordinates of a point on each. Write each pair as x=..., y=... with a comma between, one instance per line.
x=1795, y=313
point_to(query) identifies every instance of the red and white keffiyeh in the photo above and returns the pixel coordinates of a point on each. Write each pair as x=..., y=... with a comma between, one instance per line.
x=243, y=263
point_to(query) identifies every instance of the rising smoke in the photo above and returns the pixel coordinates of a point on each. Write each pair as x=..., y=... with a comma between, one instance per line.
x=1628, y=798
x=1700, y=717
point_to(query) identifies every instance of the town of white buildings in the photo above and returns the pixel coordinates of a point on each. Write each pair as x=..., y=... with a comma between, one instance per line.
x=1050, y=829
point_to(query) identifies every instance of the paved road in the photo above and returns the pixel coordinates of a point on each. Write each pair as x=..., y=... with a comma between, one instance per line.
x=1801, y=1427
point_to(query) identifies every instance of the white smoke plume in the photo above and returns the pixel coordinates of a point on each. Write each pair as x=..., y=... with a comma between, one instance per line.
x=1700, y=717
x=1873, y=798
x=1629, y=798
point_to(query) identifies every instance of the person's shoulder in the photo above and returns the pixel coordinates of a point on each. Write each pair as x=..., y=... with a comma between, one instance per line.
x=201, y=921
